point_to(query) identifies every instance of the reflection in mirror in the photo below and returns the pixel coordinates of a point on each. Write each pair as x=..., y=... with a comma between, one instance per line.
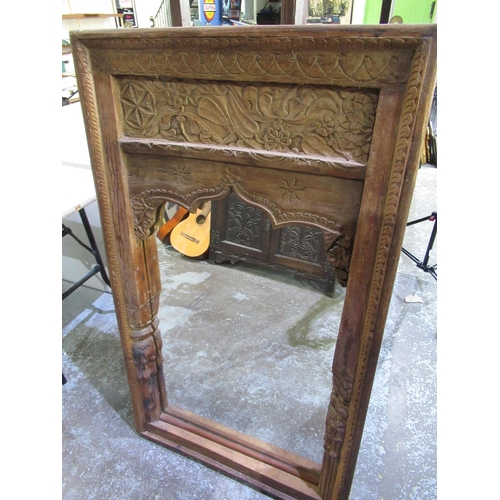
x=249, y=348
x=329, y=11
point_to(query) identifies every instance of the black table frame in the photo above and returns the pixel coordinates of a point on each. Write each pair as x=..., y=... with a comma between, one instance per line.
x=93, y=249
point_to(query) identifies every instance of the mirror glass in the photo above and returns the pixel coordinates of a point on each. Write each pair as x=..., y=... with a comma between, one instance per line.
x=248, y=346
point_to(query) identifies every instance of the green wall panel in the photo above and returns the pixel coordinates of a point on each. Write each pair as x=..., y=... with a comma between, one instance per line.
x=372, y=11
x=412, y=11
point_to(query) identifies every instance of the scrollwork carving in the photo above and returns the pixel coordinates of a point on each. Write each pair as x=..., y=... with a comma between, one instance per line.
x=300, y=119
x=214, y=236
x=281, y=217
x=337, y=413
x=324, y=60
x=338, y=252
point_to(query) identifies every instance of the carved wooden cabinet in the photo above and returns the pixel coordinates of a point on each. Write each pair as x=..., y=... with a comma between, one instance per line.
x=242, y=232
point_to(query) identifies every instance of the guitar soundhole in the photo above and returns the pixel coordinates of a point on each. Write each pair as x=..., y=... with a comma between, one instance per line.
x=201, y=219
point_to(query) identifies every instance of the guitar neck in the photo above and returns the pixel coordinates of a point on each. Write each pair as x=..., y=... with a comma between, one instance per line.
x=206, y=209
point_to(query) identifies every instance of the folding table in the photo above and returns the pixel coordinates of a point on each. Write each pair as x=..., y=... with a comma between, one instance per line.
x=78, y=189
x=77, y=193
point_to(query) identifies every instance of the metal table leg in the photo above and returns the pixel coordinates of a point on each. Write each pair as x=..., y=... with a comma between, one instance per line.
x=93, y=249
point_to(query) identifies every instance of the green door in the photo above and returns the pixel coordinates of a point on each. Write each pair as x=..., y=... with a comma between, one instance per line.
x=372, y=11
x=415, y=11
x=411, y=11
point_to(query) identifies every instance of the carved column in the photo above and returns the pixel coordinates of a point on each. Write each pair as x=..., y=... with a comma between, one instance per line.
x=338, y=253
x=132, y=261
x=146, y=347
x=360, y=335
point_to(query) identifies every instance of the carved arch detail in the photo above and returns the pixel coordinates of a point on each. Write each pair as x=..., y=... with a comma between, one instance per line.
x=146, y=207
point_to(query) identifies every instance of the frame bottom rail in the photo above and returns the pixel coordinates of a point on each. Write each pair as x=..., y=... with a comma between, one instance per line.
x=267, y=468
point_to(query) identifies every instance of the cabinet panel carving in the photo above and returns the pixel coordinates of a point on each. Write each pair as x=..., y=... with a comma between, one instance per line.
x=243, y=223
x=244, y=232
x=302, y=243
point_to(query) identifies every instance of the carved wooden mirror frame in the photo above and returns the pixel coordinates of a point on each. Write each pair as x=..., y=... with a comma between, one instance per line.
x=189, y=114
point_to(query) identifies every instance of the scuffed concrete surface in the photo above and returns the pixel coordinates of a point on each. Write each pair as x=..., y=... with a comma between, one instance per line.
x=265, y=374
x=398, y=452
x=255, y=357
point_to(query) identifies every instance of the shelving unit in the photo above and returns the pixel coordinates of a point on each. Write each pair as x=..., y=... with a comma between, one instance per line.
x=86, y=16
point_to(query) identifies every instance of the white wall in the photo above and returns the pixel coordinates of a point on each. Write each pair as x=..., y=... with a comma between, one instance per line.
x=76, y=261
x=144, y=9
x=88, y=7
x=358, y=11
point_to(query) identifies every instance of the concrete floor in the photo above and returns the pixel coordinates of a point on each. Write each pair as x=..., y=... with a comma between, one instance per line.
x=267, y=375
